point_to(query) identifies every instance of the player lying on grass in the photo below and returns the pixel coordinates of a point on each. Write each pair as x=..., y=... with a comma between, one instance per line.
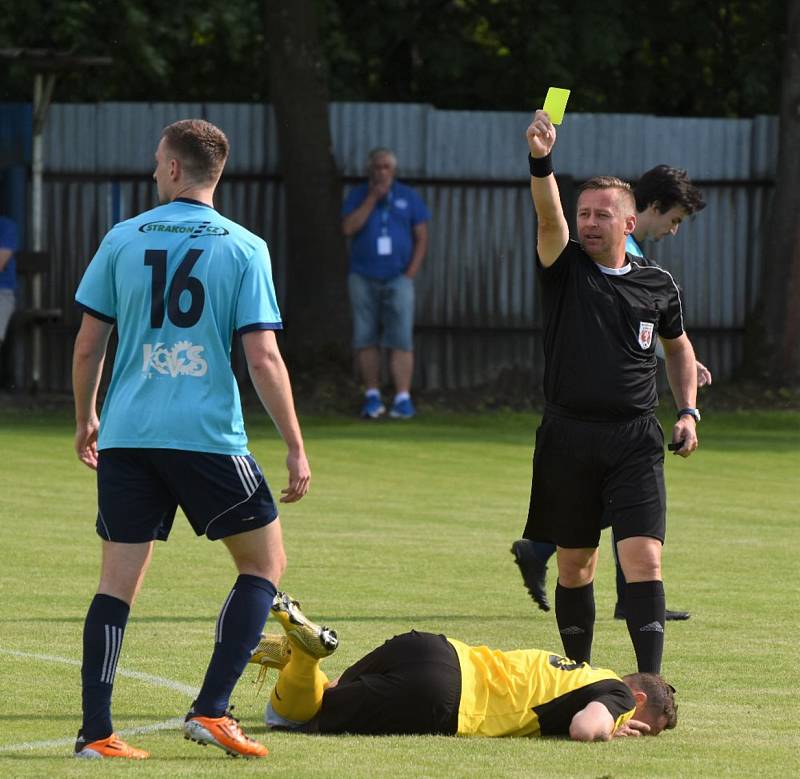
x=425, y=684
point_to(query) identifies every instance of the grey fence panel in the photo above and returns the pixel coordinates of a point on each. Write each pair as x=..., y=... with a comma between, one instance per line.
x=480, y=267
x=476, y=145
x=488, y=145
x=358, y=127
x=763, y=160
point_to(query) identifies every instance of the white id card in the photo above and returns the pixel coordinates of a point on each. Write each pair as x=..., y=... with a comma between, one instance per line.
x=384, y=245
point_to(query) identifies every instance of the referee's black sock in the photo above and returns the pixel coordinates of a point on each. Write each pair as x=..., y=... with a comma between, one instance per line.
x=645, y=614
x=575, y=618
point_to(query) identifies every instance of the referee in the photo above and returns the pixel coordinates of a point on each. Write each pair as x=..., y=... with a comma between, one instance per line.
x=599, y=452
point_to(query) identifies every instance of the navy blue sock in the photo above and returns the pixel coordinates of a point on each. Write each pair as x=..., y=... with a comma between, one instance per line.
x=543, y=551
x=103, y=632
x=620, y=576
x=237, y=634
x=645, y=607
x=575, y=617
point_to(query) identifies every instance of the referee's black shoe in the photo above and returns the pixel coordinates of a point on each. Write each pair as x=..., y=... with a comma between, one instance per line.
x=669, y=615
x=533, y=570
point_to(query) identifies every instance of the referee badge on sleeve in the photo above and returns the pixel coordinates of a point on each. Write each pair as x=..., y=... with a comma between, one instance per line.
x=645, y=334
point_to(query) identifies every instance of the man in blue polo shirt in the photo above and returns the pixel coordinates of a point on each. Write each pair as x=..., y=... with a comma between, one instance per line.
x=387, y=222
x=177, y=282
x=9, y=243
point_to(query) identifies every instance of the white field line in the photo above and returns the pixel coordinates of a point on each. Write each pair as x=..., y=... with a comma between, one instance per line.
x=156, y=681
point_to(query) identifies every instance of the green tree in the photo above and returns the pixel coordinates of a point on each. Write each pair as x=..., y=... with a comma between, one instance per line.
x=178, y=51
x=774, y=342
x=684, y=57
x=316, y=297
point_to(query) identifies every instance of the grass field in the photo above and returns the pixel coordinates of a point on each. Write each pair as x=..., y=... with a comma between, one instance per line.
x=409, y=525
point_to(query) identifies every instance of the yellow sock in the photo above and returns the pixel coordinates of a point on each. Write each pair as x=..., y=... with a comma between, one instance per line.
x=297, y=695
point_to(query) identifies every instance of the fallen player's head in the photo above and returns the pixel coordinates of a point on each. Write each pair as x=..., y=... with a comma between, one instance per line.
x=655, y=701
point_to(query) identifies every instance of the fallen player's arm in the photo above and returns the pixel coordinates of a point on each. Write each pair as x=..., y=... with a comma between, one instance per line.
x=633, y=727
x=592, y=723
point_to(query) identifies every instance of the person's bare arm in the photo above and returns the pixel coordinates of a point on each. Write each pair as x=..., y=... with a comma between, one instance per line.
x=704, y=377
x=271, y=381
x=633, y=727
x=592, y=723
x=682, y=375
x=420, y=249
x=87, y=368
x=5, y=257
x=595, y=723
x=553, y=231
x=355, y=220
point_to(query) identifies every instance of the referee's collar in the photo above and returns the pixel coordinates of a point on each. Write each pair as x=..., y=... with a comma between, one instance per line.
x=615, y=271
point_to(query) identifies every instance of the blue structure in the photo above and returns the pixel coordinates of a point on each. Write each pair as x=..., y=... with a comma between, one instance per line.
x=16, y=129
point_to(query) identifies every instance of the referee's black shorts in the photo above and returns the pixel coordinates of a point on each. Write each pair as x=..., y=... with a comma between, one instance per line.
x=411, y=685
x=592, y=475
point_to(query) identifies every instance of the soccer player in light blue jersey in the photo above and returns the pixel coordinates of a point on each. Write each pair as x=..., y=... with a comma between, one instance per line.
x=177, y=282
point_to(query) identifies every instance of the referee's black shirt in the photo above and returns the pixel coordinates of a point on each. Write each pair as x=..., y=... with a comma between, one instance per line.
x=600, y=332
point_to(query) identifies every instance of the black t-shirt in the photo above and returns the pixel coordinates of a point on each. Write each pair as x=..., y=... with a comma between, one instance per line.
x=600, y=331
x=556, y=715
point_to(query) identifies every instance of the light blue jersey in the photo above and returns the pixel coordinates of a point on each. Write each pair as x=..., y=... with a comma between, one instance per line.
x=632, y=247
x=178, y=281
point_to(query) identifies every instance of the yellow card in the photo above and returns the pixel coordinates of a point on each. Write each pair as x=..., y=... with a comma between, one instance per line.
x=555, y=104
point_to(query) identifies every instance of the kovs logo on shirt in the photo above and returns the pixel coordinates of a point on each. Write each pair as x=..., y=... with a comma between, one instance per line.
x=183, y=359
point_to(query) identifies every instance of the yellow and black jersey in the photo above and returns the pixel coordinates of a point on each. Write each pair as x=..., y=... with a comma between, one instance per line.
x=529, y=692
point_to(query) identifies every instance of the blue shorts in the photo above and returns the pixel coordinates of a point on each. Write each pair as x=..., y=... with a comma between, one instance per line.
x=139, y=490
x=383, y=312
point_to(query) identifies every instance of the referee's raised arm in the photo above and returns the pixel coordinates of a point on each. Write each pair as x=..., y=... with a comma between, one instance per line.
x=553, y=232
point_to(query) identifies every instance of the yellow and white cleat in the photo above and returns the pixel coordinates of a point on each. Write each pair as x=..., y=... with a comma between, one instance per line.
x=273, y=651
x=315, y=640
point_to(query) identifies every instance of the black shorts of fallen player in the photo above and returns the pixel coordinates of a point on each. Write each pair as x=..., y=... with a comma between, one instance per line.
x=410, y=685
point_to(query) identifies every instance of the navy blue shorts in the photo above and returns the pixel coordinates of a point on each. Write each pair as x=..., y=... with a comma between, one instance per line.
x=139, y=491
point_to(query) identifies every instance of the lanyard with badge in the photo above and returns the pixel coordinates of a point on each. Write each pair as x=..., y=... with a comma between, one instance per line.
x=384, y=239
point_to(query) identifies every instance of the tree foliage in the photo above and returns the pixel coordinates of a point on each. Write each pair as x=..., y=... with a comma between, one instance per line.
x=687, y=57
x=176, y=51
x=684, y=57
x=774, y=342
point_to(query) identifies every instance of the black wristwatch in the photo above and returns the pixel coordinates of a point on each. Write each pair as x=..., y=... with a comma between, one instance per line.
x=692, y=412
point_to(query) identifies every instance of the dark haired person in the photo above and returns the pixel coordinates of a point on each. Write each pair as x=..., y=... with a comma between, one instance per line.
x=598, y=459
x=664, y=196
x=426, y=684
x=177, y=282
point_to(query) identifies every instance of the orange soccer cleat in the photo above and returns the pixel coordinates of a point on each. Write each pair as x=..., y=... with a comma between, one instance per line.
x=224, y=732
x=113, y=746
